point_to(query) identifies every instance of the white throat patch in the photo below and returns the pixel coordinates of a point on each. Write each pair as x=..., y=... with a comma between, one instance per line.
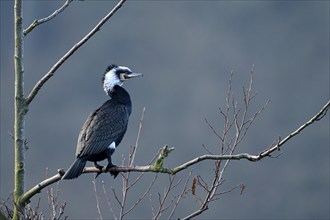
x=110, y=80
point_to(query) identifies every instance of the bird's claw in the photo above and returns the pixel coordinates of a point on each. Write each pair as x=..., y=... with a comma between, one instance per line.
x=98, y=167
x=113, y=173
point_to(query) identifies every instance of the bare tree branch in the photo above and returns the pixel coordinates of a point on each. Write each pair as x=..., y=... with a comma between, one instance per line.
x=108, y=199
x=59, y=63
x=180, y=196
x=241, y=124
x=241, y=186
x=97, y=200
x=315, y=118
x=162, y=207
x=54, y=206
x=158, y=168
x=142, y=196
x=25, y=198
x=116, y=197
x=196, y=213
x=263, y=154
x=36, y=22
x=133, y=152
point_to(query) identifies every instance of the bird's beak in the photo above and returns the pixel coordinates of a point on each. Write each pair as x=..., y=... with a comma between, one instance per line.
x=132, y=75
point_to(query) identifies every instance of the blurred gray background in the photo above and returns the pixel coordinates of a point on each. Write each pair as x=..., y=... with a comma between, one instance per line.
x=186, y=50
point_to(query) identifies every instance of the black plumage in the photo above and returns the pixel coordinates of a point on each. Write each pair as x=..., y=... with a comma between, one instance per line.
x=104, y=129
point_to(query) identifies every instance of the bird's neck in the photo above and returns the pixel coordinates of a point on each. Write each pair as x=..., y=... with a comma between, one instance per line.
x=120, y=95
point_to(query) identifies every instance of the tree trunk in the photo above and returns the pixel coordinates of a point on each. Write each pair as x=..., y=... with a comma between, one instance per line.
x=20, y=111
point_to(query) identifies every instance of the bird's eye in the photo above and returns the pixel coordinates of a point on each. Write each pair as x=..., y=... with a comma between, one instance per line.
x=123, y=76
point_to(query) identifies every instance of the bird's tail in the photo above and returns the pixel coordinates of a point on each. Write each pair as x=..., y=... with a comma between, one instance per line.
x=75, y=169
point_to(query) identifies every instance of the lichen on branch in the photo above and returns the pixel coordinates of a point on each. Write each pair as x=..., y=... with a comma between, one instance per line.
x=158, y=165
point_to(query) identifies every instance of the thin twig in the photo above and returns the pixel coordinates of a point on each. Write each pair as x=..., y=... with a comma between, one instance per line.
x=212, y=128
x=142, y=196
x=228, y=191
x=206, y=149
x=161, y=200
x=35, y=23
x=131, y=161
x=152, y=206
x=108, y=199
x=139, y=177
x=194, y=214
x=124, y=195
x=180, y=196
x=97, y=200
x=116, y=197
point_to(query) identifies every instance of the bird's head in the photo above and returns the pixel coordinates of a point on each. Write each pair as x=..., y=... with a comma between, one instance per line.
x=116, y=75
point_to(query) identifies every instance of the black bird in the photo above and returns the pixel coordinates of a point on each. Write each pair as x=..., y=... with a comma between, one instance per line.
x=105, y=127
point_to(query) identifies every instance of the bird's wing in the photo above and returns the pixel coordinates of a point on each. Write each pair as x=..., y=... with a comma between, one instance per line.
x=104, y=126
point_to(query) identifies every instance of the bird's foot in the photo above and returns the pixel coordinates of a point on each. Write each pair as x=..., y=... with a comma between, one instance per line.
x=98, y=167
x=113, y=173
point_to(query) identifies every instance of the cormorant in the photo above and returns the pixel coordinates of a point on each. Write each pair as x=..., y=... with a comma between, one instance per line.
x=105, y=127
